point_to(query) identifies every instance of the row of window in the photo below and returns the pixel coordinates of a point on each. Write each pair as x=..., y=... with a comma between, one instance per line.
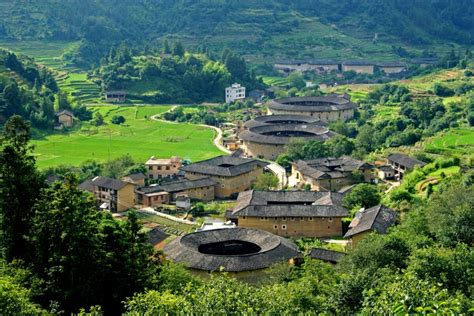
x=160, y=167
x=291, y=218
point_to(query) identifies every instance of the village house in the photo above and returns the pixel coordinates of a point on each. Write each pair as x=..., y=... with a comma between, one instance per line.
x=65, y=118
x=326, y=255
x=232, y=174
x=290, y=213
x=386, y=172
x=393, y=67
x=155, y=195
x=402, y=163
x=183, y=202
x=111, y=194
x=135, y=178
x=378, y=218
x=360, y=67
x=424, y=61
x=234, y=93
x=163, y=168
x=330, y=174
x=115, y=96
x=328, y=108
x=320, y=66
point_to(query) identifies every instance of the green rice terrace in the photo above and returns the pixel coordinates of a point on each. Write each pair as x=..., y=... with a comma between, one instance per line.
x=139, y=136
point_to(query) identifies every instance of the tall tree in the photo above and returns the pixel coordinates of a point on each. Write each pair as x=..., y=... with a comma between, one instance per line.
x=178, y=49
x=20, y=184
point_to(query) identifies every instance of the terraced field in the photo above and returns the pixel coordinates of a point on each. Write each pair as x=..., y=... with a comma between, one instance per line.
x=458, y=141
x=139, y=136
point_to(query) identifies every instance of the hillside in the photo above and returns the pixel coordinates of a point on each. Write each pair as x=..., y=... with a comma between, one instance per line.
x=262, y=30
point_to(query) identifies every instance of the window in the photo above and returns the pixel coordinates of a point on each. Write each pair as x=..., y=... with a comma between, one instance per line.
x=243, y=217
x=283, y=218
x=150, y=176
x=261, y=218
x=311, y=219
x=283, y=227
x=330, y=219
x=302, y=218
x=222, y=185
x=150, y=168
x=159, y=167
x=167, y=167
x=275, y=226
x=292, y=219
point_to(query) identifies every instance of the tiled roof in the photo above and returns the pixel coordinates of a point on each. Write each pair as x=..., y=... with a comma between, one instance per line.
x=378, y=218
x=177, y=186
x=326, y=255
x=324, y=168
x=136, y=176
x=405, y=160
x=109, y=183
x=314, y=104
x=289, y=204
x=156, y=235
x=273, y=249
x=227, y=166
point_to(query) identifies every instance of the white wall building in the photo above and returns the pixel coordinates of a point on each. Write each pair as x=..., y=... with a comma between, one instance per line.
x=234, y=93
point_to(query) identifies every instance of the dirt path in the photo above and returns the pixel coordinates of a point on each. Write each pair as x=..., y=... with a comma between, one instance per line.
x=217, y=139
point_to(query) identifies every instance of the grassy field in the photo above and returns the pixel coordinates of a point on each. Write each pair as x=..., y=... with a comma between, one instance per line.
x=275, y=81
x=435, y=177
x=139, y=137
x=458, y=141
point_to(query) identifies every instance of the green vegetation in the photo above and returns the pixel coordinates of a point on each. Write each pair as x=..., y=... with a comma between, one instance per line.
x=139, y=137
x=456, y=141
x=167, y=224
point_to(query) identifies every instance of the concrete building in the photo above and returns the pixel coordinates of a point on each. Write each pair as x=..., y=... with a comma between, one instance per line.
x=115, y=96
x=360, y=67
x=156, y=195
x=232, y=174
x=111, y=194
x=291, y=213
x=65, y=118
x=330, y=174
x=325, y=108
x=163, y=168
x=402, y=163
x=234, y=93
x=267, y=136
x=386, y=172
x=378, y=218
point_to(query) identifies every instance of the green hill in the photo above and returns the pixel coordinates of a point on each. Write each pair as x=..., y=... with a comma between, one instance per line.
x=262, y=30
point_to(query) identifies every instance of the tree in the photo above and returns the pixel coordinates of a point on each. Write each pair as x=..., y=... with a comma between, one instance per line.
x=166, y=47
x=98, y=119
x=296, y=80
x=84, y=256
x=362, y=195
x=118, y=119
x=20, y=185
x=178, y=49
x=339, y=146
x=266, y=181
x=315, y=149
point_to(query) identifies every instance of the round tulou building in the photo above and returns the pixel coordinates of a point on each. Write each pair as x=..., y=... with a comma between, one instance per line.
x=266, y=136
x=325, y=108
x=230, y=250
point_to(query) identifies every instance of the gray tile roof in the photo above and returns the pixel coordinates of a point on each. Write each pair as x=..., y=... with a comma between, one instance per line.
x=87, y=186
x=136, y=176
x=314, y=104
x=156, y=235
x=177, y=186
x=273, y=249
x=325, y=168
x=378, y=218
x=289, y=204
x=226, y=166
x=326, y=255
x=109, y=183
x=405, y=161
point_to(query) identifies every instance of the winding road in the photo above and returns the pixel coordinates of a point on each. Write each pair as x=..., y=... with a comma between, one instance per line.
x=217, y=140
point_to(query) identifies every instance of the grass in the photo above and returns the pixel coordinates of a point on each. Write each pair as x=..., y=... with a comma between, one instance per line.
x=139, y=137
x=457, y=141
x=385, y=112
x=435, y=177
x=275, y=81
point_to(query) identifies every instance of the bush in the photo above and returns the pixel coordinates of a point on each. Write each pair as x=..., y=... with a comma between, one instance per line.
x=118, y=119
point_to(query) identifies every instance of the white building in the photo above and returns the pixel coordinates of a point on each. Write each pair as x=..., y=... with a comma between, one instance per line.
x=234, y=93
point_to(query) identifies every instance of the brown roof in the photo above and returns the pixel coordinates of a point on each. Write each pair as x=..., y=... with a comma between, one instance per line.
x=378, y=218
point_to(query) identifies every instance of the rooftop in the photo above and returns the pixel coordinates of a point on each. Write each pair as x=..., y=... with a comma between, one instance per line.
x=64, y=112
x=326, y=255
x=232, y=250
x=281, y=134
x=378, y=218
x=289, y=204
x=282, y=120
x=156, y=235
x=177, y=186
x=314, y=104
x=325, y=168
x=405, y=161
x=136, y=176
x=108, y=183
x=167, y=161
x=226, y=166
